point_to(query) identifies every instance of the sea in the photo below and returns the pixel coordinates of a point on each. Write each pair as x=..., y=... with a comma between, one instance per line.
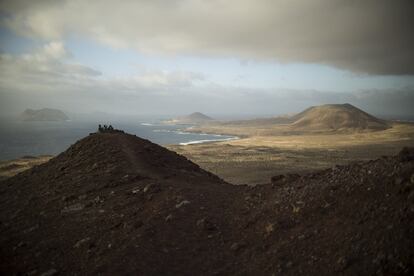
x=18, y=139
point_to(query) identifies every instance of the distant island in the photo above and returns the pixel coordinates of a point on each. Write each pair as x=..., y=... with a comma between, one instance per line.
x=44, y=114
x=193, y=118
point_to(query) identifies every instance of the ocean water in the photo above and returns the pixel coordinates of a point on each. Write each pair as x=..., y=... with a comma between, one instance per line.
x=18, y=139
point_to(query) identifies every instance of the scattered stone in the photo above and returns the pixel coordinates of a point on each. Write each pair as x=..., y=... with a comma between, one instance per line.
x=28, y=230
x=237, y=246
x=342, y=263
x=269, y=228
x=182, y=203
x=205, y=224
x=98, y=200
x=169, y=217
x=295, y=209
x=117, y=225
x=50, y=272
x=152, y=188
x=82, y=241
x=82, y=197
x=326, y=205
x=73, y=208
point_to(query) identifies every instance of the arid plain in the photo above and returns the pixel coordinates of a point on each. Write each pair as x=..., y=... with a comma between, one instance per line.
x=315, y=139
x=318, y=138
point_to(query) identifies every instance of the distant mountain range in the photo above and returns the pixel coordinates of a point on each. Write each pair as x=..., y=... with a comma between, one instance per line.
x=44, y=114
x=322, y=118
x=193, y=118
x=336, y=117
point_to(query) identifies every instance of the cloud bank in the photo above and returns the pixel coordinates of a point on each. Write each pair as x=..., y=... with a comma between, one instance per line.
x=49, y=77
x=371, y=36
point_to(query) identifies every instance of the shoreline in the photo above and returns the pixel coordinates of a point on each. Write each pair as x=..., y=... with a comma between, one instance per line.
x=196, y=142
x=189, y=130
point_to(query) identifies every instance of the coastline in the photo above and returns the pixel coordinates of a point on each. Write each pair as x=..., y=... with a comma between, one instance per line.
x=190, y=129
x=196, y=142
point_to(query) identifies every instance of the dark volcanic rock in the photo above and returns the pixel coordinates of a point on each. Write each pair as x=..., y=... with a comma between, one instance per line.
x=282, y=179
x=406, y=154
x=116, y=204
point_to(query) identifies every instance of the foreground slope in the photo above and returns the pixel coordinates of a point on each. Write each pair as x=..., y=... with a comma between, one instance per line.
x=117, y=204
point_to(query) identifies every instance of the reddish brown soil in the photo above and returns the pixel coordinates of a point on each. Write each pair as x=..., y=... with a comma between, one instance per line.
x=115, y=204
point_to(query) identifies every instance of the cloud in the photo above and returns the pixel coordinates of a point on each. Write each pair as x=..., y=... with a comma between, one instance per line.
x=49, y=76
x=48, y=65
x=55, y=50
x=371, y=36
x=52, y=65
x=156, y=79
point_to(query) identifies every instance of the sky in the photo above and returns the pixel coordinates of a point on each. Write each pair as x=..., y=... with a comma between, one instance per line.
x=221, y=57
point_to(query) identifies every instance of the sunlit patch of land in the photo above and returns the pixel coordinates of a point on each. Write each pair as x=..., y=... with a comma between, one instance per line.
x=13, y=167
x=265, y=151
x=317, y=138
x=254, y=159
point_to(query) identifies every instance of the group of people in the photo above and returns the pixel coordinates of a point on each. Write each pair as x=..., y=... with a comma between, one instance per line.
x=105, y=128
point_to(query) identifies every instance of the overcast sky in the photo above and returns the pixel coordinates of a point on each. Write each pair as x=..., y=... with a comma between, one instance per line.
x=253, y=57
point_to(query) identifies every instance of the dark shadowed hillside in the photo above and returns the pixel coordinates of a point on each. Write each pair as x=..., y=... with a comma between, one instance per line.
x=116, y=204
